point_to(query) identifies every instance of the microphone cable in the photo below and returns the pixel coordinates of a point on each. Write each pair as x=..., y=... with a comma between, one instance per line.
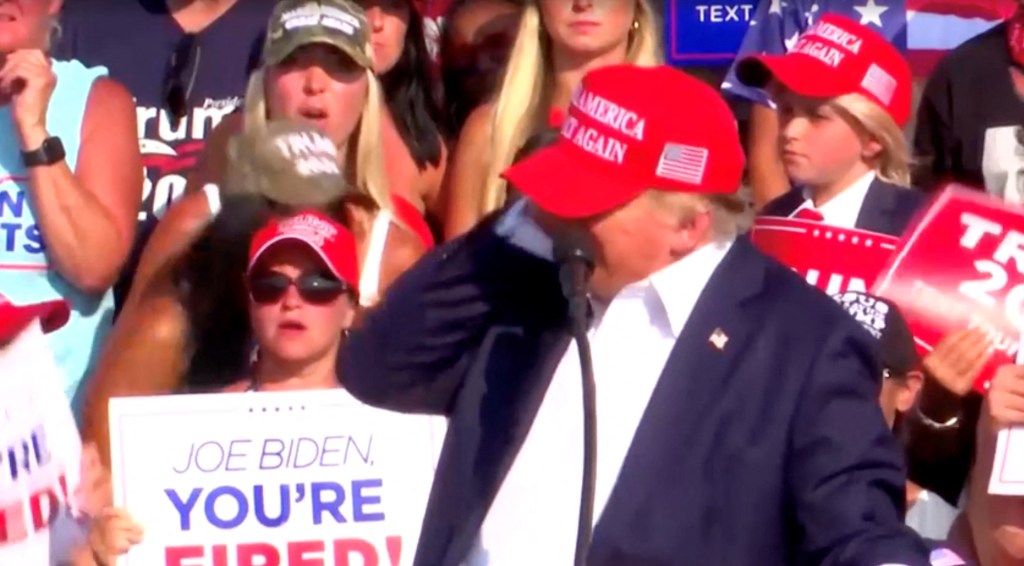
x=572, y=250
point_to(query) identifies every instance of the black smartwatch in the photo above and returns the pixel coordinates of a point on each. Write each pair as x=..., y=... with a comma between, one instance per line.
x=52, y=151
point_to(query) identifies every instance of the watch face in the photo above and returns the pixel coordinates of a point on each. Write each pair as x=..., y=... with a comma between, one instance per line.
x=50, y=152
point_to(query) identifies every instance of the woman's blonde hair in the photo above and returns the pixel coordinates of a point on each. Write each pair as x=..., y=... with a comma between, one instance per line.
x=892, y=163
x=521, y=103
x=363, y=161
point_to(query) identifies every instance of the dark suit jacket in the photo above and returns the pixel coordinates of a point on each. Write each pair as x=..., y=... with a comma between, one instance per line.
x=887, y=209
x=938, y=460
x=771, y=452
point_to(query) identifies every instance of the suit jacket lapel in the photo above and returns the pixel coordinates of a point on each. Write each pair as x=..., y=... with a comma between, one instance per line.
x=697, y=370
x=876, y=213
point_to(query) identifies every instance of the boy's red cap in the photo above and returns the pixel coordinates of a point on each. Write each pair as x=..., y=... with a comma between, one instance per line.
x=838, y=56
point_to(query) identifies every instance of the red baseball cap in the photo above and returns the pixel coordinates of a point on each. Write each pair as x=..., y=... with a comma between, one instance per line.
x=630, y=129
x=330, y=240
x=838, y=56
x=14, y=318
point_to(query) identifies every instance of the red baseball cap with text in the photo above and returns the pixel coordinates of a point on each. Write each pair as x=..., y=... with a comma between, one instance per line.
x=14, y=318
x=838, y=56
x=322, y=234
x=631, y=129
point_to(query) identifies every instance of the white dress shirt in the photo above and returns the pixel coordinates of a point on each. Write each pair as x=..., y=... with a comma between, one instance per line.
x=843, y=209
x=534, y=516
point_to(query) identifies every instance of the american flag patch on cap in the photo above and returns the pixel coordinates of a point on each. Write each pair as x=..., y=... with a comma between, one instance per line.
x=683, y=163
x=879, y=83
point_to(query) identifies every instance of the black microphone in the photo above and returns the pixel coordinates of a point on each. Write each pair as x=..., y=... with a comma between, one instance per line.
x=574, y=252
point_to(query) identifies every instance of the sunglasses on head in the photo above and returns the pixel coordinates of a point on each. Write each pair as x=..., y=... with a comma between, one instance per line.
x=313, y=288
x=180, y=76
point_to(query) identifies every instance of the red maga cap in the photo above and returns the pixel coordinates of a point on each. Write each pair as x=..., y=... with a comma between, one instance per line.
x=630, y=129
x=14, y=318
x=330, y=240
x=838, y=56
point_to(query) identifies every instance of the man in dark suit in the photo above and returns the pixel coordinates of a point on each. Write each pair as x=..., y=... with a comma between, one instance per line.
x=738, y=417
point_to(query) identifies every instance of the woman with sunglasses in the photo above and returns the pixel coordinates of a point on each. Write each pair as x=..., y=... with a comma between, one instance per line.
x=70, y=181
x=302, y=297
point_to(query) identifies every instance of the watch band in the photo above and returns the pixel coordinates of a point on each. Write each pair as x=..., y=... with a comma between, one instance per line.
x=49, y=152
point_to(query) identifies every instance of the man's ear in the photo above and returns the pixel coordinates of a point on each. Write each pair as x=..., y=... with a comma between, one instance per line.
x=686, y=236
x=909, y=390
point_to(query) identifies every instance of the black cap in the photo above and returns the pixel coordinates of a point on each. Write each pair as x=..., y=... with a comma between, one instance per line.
x=883, y=320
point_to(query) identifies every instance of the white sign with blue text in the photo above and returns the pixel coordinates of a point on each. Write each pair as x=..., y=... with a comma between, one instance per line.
x=315, y=478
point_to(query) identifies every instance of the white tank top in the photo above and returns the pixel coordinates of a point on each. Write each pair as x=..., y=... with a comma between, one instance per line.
x=212, y=192
x=369, y=278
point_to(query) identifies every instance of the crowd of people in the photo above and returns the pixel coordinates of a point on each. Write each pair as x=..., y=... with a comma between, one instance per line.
x=227, y=196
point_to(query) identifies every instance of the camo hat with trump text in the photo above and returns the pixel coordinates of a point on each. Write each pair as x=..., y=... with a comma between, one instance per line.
x=288, y=161
x=632, y=129
x=338, y=23
x=838, y=56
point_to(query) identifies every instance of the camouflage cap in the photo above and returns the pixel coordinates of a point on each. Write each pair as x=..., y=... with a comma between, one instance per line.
x=289, y=162
x=296, y=23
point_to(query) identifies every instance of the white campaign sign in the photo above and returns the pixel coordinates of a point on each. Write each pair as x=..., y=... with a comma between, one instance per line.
x=40, y=455
x=1008, y=466
x=312, y=478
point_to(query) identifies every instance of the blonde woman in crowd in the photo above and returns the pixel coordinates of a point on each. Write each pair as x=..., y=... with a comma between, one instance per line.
x=319, y=74
x=843, y=93
x=557, y=43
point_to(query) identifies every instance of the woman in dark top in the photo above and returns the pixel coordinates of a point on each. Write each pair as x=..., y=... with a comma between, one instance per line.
x=414, y=151
x=475, y=44
x=186, y=65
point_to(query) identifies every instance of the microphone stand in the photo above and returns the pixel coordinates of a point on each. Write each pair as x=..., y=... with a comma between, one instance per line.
x=574, y=274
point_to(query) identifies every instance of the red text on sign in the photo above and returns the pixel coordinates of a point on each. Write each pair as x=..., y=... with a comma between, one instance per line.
x=339, y=552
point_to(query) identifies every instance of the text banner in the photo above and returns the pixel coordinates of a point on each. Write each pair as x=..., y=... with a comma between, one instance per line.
x=704, y=33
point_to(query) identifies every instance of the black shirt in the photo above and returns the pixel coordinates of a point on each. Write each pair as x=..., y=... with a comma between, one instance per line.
x=970, y=119
x=135, y=39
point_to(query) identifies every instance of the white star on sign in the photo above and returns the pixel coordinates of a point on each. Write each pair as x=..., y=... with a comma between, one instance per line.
x=810, y=14
x=776, y=7
x=791, y=41
x=871, y=13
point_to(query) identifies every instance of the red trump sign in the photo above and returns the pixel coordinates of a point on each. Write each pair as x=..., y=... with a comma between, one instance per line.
x=831, y=258
x=962, y=266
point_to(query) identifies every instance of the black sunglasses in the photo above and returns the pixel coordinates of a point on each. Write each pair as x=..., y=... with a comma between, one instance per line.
x=313, y=288
x=180, y=76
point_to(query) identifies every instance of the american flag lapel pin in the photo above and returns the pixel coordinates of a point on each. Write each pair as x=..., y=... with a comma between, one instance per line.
x=718, y=339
